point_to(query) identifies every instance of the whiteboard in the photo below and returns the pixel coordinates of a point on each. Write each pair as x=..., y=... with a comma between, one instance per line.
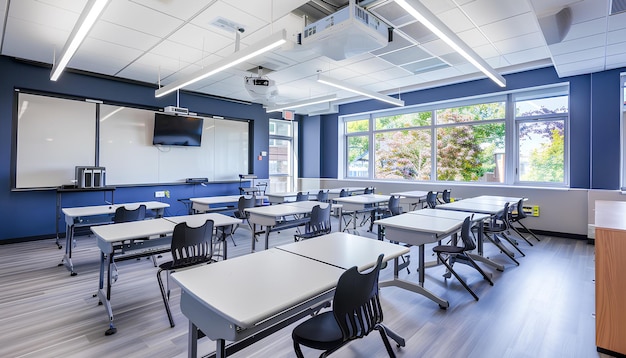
x=54, y=136
x=124, y=146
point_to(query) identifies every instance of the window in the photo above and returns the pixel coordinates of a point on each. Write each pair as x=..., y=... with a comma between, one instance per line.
x=281, y=156
x=540, y=127
x=511, y=138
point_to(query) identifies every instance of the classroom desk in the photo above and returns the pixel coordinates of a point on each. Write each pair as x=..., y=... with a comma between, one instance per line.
x=481, y=207
x=494, y=200
x=418, y=230
x=72, y=189
x=477, y=219
x=273, y=217
x=287, y=197
x=288, y=283
x=204, y=204
x=357, y=203
x=84, y=216
x=413, y=197
x=155, y=238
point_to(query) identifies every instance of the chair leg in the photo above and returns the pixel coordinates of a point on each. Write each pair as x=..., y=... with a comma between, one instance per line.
x=496, y=241
x=512, y=242
x=478, y=268
x=520, y=234
x=383, y=335
x=393, y=335
x=529, y=231
x=165, y=298
x=296, y=348
x=449, y=267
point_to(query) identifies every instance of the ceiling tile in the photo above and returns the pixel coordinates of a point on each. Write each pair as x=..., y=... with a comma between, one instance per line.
x=222, y=10
x=483, y=12
x=409, y=54
x=511, y=27
x=577, y=44
x=140, y=18
x=581, y=67
x=526, y=41
x=174, y=8
x=586, y=28
x=587, y=54
x=456, y=20
x=123, y=36
x=529, y=55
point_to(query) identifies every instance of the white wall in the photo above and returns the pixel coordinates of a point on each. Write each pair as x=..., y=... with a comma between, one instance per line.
x=560, y=210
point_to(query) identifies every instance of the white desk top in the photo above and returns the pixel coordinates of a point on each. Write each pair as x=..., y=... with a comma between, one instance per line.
x=421, y=223
x=110, y=209
x=411, y=194
x=363, y=199
x=450, y=214
x=472, y=206
x=248, y=289
x=300, y=207
x=345, y=250
x=492, y=199
x=210, y=200
x=132, y=230
x=199, y=219
x=284, y=194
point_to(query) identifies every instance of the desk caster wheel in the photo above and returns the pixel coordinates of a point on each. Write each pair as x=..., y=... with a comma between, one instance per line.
x=73, y=274
x=443, y=307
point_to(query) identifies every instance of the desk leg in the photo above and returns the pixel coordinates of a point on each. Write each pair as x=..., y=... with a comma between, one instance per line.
x=220, y=348
x=419, y=289
x=105, y=297
x=340, y=218
x=57, y=218
x=267, y=237
x=67, y=258
x=253, y=237
x=192, y=341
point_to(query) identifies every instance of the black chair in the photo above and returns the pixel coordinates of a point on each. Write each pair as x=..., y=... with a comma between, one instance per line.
x=346, y=222
x=244, y=203
x=445, y=196
x=190, y=246
x=495, y=228
x=368, y=209
x=449, y=254
x=431, y=199
x=322, y=196
x=300, y=196
x=319, y=224
x=356, y=312
x=516, y=216
x=393, y=208
x=122, y=214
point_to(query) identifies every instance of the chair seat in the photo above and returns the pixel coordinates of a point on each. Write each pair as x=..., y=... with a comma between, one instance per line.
x=449, y=249
x=169, y=265
x=319, y=332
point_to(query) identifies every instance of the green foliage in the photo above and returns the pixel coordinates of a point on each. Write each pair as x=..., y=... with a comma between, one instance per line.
x=546, y=163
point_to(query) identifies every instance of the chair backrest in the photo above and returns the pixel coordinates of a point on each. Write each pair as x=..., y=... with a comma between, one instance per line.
x=445, y=196
x=431, y=199
x=322, y=196
x=343, y=193
x=244, y=203
x=369, y=190
x=302, y=196
x=356, y=305
x=319, y=222
x=192, y=245
x=466, y=234
x=123, y=215
x=520, y=210
x=394, y=205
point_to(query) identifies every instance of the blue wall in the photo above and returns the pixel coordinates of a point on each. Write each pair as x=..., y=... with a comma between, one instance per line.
x=30, y=214
x=594, y=122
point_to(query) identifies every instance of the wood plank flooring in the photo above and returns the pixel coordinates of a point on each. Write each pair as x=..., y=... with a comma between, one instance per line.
x=542, y=308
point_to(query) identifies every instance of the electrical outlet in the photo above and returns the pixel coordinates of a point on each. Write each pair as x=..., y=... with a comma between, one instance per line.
x=159, y=194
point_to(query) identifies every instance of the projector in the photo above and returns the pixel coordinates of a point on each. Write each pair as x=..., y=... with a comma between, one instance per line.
x=261, y=87
x=176, y=110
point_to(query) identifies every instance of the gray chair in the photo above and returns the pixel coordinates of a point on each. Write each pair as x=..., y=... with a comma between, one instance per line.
x=319, y=224
x=356, y=313
x=431, y=199
x=301, y=196
x=516, y=216
x=449, y=254
x=190, y=246
x=122, y=214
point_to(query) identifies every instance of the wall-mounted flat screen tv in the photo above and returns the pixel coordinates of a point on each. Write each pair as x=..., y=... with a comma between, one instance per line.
x=177, y=130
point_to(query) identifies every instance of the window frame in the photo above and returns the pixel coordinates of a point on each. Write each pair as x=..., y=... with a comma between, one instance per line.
x=511, y=145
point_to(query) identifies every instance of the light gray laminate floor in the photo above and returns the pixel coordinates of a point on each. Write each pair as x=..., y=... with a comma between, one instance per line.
x=542, y=308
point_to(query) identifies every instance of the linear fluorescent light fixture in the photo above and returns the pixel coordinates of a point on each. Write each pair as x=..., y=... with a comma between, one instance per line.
x=428, y=19
x=85, y=22
x=363, y=92
x=303, y=103
x=267, y=44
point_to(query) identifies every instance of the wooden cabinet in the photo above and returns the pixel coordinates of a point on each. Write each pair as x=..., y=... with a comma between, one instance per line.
x=610, y=221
